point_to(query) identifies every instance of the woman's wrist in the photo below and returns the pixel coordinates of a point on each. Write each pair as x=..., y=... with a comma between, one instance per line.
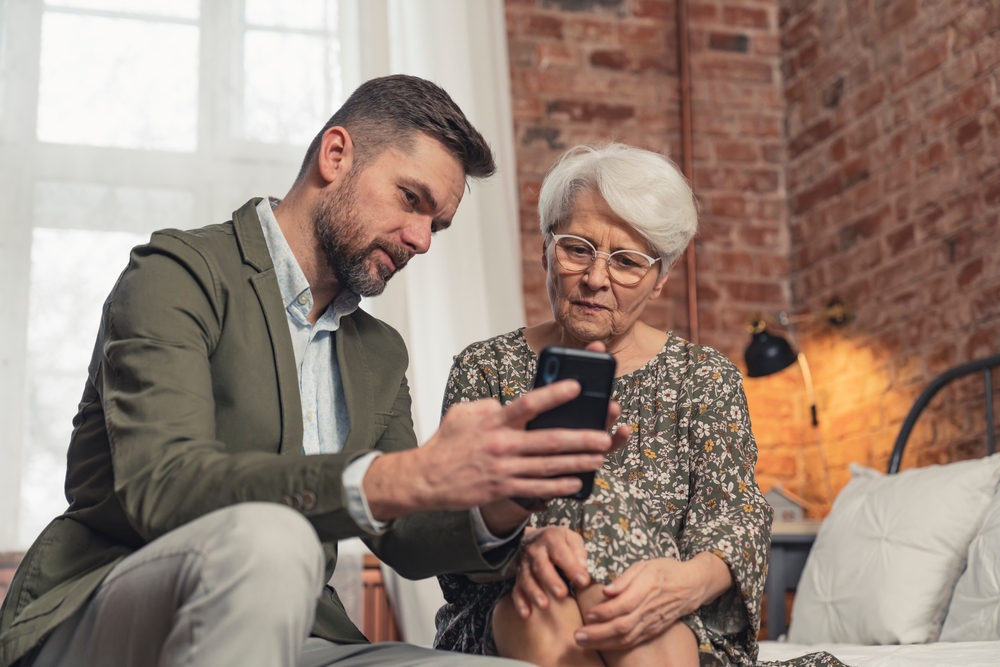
x=713, y=575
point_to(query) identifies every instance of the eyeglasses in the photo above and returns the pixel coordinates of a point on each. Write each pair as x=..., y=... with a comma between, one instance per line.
x=576, y=255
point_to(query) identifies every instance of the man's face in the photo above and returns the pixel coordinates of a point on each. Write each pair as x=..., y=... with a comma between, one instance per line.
x=378, y=217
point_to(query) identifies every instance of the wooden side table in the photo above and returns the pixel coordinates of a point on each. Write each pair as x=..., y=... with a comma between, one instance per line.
x=790, y=545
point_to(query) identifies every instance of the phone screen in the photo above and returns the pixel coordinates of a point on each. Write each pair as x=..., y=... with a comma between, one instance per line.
x=595, y=371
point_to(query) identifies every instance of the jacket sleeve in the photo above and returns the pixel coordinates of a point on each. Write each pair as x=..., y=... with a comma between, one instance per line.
x=160, y=328
x=429, y=543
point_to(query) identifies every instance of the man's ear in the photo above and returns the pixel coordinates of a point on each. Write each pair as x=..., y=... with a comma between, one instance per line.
x=336, y=154
x=660, y=282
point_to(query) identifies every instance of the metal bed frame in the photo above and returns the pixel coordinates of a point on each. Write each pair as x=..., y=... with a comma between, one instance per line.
x=984, y=365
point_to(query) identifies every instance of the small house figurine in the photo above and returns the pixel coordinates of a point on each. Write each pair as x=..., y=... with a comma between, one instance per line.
x=787, y=506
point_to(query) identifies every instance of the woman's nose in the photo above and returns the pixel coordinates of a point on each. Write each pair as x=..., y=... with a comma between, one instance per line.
x=597, y=275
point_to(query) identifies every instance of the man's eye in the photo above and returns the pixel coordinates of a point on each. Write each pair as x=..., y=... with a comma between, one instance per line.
x=411, y=198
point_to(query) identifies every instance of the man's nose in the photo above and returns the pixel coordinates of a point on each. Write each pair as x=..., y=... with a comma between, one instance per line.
x=417, y=234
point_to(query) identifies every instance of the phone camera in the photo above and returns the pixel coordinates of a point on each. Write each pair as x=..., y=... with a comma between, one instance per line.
x=551, y=371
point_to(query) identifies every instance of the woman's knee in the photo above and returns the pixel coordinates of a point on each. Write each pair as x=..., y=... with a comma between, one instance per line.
x=544, y=638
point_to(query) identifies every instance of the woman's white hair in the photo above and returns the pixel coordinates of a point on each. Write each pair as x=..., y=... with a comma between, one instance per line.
x=643, y=188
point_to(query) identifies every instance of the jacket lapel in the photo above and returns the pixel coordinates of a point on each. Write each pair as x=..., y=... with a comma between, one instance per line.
x=355, y=374
x=265, y=285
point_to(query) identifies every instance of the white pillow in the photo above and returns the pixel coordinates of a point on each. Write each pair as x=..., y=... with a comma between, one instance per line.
x=887, y=557
x=974, y=614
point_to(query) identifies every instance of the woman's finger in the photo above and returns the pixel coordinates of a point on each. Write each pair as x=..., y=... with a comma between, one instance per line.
x=530, y=587
x=521, y=602
x=547, y=576
x=626, y=603
x=623, y=580
x=570, y=556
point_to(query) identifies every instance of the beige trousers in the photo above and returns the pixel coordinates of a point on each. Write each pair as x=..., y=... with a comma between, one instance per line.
x=237, y=586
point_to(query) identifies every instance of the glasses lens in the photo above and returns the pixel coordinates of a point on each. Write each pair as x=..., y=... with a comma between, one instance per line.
x=627, y=267
x=574, y=254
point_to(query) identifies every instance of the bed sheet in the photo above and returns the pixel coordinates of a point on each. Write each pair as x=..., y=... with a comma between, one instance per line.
x=940, y=654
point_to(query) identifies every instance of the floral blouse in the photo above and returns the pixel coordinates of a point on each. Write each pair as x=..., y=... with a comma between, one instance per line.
x=682, y=485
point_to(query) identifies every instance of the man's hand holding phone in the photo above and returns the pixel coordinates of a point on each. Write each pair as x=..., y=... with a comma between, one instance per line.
x=481, y=456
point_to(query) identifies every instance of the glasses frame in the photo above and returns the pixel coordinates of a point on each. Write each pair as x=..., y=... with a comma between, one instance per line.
x=555, y=238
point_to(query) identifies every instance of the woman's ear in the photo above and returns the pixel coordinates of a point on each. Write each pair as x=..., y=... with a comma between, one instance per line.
x=545, y=255
x=660, y=282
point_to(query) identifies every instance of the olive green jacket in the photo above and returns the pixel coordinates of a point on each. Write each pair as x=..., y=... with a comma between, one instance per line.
x=192, y=404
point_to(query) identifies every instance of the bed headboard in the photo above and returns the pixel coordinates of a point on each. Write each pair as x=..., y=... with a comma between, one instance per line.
x=984, y=366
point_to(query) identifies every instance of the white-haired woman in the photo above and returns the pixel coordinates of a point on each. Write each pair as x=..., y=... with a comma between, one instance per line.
x=664, y=564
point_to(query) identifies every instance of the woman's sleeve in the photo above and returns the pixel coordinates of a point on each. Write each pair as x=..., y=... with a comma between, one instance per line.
x=727, y=515
x=469, y=378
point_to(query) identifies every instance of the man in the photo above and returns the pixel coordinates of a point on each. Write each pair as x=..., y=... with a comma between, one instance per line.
x=241, y=415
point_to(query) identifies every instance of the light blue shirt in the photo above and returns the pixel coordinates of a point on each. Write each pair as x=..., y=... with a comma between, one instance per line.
x=325, y=420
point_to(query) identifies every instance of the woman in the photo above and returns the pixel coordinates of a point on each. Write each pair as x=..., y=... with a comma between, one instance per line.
x=664, y=564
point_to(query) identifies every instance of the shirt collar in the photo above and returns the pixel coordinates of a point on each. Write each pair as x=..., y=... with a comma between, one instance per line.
x=295, y=292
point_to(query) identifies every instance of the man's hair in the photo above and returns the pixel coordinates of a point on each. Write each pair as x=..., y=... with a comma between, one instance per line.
x=390, y=111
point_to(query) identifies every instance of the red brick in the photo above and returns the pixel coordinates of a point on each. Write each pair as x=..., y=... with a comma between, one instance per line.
x=590, y=111
x=968, y=132
x=868, y=97
x=543, y=26
x=699, y=12
x=654, y=9
x=616, y=59
x=745, y=16
x=736, y=151
x=739, y=69
x=828, y=187
x=972, y=99
x=918, y=65
x=864, y=228
x=900, y=240
x=969, y=273
x=810, y=137
x=931, y=157
x=897, y=14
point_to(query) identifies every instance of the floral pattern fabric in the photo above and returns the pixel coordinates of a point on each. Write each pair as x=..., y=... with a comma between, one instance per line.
x=683, y=484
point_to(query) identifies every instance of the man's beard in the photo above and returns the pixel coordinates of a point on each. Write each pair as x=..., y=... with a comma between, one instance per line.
x=340, y=231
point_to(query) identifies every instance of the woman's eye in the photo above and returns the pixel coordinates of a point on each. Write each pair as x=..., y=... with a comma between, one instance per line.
x=628, y=262
x=581, y=250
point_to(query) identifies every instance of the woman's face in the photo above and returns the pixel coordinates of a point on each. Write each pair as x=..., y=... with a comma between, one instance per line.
x=589, y=305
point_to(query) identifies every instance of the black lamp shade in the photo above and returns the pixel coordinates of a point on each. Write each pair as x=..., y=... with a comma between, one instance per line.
x=768, y=354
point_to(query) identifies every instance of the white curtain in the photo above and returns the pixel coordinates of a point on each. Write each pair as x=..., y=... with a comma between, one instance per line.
x=119, y=117
x=468, y=287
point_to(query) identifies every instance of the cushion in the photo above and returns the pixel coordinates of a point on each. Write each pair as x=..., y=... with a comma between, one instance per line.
x=886, y=559
x=974, y=613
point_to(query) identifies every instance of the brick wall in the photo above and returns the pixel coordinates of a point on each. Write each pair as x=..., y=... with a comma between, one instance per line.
x=587, y=72
x=593, y=70
x=893, y=178
x=842, y=148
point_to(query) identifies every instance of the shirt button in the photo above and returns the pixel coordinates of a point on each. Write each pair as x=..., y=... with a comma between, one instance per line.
x=309, y=416
x=308, y=500
x=303, y=298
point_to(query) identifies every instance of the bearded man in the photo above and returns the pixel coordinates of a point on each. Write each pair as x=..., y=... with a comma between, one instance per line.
x=241, y=415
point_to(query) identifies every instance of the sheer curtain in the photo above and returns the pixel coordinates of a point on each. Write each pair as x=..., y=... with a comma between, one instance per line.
x=119, y=117
x=468, y=287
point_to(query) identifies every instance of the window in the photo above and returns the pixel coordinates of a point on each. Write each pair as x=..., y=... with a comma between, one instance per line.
x=119, y=73
x=291, y=73
x=141, y=115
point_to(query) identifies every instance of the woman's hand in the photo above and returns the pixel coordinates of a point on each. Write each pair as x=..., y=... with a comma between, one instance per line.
x=542, y=551
x=649, y=597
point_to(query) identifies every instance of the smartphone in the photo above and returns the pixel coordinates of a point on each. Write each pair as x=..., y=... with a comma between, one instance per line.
x=595, y=371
